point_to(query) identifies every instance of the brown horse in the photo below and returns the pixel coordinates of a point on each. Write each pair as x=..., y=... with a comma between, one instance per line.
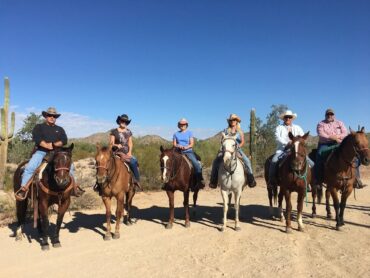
x=340, y=171
x=295, y=176
x=272, y=189
x=177, y=175
x=55, y=187
x=113, y=178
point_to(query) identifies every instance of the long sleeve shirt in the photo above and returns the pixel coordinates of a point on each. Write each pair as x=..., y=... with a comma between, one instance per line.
x=282, y=134
x=325, y=129
x=49, y=134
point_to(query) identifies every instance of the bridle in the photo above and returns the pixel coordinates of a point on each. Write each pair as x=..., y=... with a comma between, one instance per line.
x=106, y=167
x=233, y=156
x=175, y=170
x=65, y=154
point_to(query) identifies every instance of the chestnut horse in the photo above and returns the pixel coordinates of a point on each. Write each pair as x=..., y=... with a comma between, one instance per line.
x=294, y=176
x=340, y=171
x=54, y=187
x=177, y=175
x=113, y=178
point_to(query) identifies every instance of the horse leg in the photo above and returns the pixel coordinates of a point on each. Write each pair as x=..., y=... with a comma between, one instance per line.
x=327, y=197
x=288, y=211
x=21, y=207
x=171, y=197
x=237, y=206
x=270, y=195
x=229, y=204
x=280, y=205
x=343, y=203
x=195, y=198
x=107, y=202
x=334, y=195
x=61, y=211
x=43, y=205
x=314, y=194
x=119, y=211
x=186, y=206
x=128, y=204
x=300, y=200
x=225, y=197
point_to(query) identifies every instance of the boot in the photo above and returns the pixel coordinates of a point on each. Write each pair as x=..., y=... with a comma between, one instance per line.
x=200, y=182
x=138, y=185
x=251, y=181
x=358, y=184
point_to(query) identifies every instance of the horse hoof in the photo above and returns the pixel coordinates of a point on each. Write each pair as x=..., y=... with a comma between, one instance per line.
x=18, y=238
x=45, y=247
x=301, y=229
x=57, y=245
x=329, y=216
x=116, y=236
x=127, y=222
x=222, y=229
x=187, y=225
x=107, y=237
x=288, y=230
x=338, y=227
x=169, y=226
x=313, y=215
x=238, y=229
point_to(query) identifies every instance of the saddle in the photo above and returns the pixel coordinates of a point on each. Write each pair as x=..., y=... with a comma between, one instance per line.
x=124, y=158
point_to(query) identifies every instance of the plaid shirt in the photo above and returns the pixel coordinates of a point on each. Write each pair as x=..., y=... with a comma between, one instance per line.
x=326, y=129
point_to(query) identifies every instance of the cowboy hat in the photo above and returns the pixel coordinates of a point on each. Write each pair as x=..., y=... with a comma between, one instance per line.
x=123, y=118
x=328, y=111
x=234, y=117
x=183, y=121
x=288, y=113
x=51, y=111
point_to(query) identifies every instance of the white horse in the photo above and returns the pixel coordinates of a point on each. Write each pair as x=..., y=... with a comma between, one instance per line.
x=230, y=177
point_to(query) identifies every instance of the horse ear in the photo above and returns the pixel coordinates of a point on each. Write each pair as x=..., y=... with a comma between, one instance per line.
x=305, y=136
x=161, y=148
x=223, y=135
x=71, y=146
x=351, y=131
x=291, y=136
x=362, y=129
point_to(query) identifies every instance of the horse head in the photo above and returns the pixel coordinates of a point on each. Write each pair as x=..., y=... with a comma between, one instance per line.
x=229, y=148
x=62, y=161
x=298, y=151
x=167, y=162
x=360, y=145
x=103, y=159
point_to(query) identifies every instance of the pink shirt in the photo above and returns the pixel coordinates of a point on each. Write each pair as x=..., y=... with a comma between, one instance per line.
x=326, y=129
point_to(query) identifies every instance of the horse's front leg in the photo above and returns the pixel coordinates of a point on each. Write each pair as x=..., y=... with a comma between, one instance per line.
x=343, y=203
x=225, y=198
x=288, y=202
x=119, y=211
x=186, y=207
x=171, y=201
x=300, y=201
x=327, y=203
x=61, y=211
x=107, y=202
x=21, y=207
x=237, y=206
x=270, y=196
x=43, y=205
x=314, y=195
x=334, y=195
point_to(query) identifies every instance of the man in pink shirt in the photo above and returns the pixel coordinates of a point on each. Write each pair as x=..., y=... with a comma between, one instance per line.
x=331, y=133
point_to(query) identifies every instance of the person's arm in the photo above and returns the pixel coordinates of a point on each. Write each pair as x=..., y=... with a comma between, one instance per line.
x=130, y=146
x=279, y=136
x=343, y=131
x=324, y=135
x=241, y=139
x=191, y=144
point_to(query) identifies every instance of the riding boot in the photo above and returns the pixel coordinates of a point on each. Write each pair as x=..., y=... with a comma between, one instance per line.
x=199, y=181
x=251, y=181
x=358, y=184
x=138, y=185
x=213, y=179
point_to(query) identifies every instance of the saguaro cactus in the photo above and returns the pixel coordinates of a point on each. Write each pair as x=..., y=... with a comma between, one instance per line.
x=6, y=134
x=252, y=137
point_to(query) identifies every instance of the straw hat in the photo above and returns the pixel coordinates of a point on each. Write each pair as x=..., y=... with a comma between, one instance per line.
x=288, y=113
x=234, y=117
x=50, y=111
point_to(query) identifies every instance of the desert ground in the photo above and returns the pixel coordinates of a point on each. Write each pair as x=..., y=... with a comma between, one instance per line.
x=147, y=249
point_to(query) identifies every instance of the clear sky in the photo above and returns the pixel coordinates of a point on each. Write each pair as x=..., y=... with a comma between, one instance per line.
x=159, y=61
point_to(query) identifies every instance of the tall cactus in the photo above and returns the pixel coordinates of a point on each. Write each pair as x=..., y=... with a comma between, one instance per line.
x=252, y=137
x=5, y=135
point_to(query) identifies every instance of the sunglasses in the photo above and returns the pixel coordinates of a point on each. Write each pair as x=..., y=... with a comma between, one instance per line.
x=288, y=117
x=330, y=114
x=51, y=116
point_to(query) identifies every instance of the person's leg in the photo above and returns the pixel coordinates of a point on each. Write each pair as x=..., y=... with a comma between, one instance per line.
x=358, y=183
x=134, y=168
x=214, y=172
x=272, y=168
x=248, y=169
x=197, y=168
x=310, y=162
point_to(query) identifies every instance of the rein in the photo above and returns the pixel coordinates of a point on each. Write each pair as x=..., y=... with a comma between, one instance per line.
x=233, y=158
x=174, y=170
x=303, y=177
x=107, y=168
x=59, y=194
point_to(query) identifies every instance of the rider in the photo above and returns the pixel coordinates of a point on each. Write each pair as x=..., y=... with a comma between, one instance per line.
x=283, y=141
x=120, y=139
x=233, y=129
x=331, y=133
x=47, y=136
x=184, y=141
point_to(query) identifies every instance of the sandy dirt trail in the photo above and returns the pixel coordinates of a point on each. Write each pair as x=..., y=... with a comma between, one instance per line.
x=147, y=249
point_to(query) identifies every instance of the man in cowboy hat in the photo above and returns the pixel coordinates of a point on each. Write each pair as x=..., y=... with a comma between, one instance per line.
x=47, y=136
x=331, y=133
x=283, y=141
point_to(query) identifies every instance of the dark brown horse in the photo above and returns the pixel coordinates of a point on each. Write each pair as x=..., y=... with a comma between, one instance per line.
x=294, y=176
x=339, y=172
x=317, y=188
x=54, y=187
x=113, y=178
x=272, y=189
x=177, y=175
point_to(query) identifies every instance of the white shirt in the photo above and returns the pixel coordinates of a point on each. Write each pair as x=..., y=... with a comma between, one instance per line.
x=282, y=135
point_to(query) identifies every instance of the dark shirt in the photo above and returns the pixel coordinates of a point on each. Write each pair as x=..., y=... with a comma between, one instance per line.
x=49, y=134
x=121, y=138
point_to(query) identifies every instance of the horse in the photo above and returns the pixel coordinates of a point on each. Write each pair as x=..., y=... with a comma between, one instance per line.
x=294, y=176
x=317, y=188
x=54, y=187
x=272, y=189
x=177, y=175
x=113, y=178
x=339, y=171
x=230, y=177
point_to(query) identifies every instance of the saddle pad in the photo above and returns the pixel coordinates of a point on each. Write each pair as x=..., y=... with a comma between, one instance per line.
x=124, y=163
x=188, y=161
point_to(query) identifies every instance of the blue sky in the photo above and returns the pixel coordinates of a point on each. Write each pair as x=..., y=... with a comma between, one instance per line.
x=159, y=61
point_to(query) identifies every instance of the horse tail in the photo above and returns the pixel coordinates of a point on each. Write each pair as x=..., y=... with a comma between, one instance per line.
x=21, y=206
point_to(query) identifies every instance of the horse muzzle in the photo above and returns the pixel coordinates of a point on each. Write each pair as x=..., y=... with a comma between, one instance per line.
x=62, y=182
x=100, y=180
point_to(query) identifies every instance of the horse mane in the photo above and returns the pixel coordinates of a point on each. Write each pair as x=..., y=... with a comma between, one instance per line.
x=344, y=142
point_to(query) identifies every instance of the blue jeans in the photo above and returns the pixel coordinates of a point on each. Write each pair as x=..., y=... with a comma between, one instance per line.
x=33, y=164
x=134, y=168
x=195, y=162
x=246, y=161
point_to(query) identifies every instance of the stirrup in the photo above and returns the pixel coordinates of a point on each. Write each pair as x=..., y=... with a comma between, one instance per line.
x=24, y=191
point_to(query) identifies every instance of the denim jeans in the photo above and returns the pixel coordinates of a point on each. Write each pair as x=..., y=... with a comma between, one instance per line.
x=33, y=164
x=134, y=168
x=195, y=162
x=246, y=161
